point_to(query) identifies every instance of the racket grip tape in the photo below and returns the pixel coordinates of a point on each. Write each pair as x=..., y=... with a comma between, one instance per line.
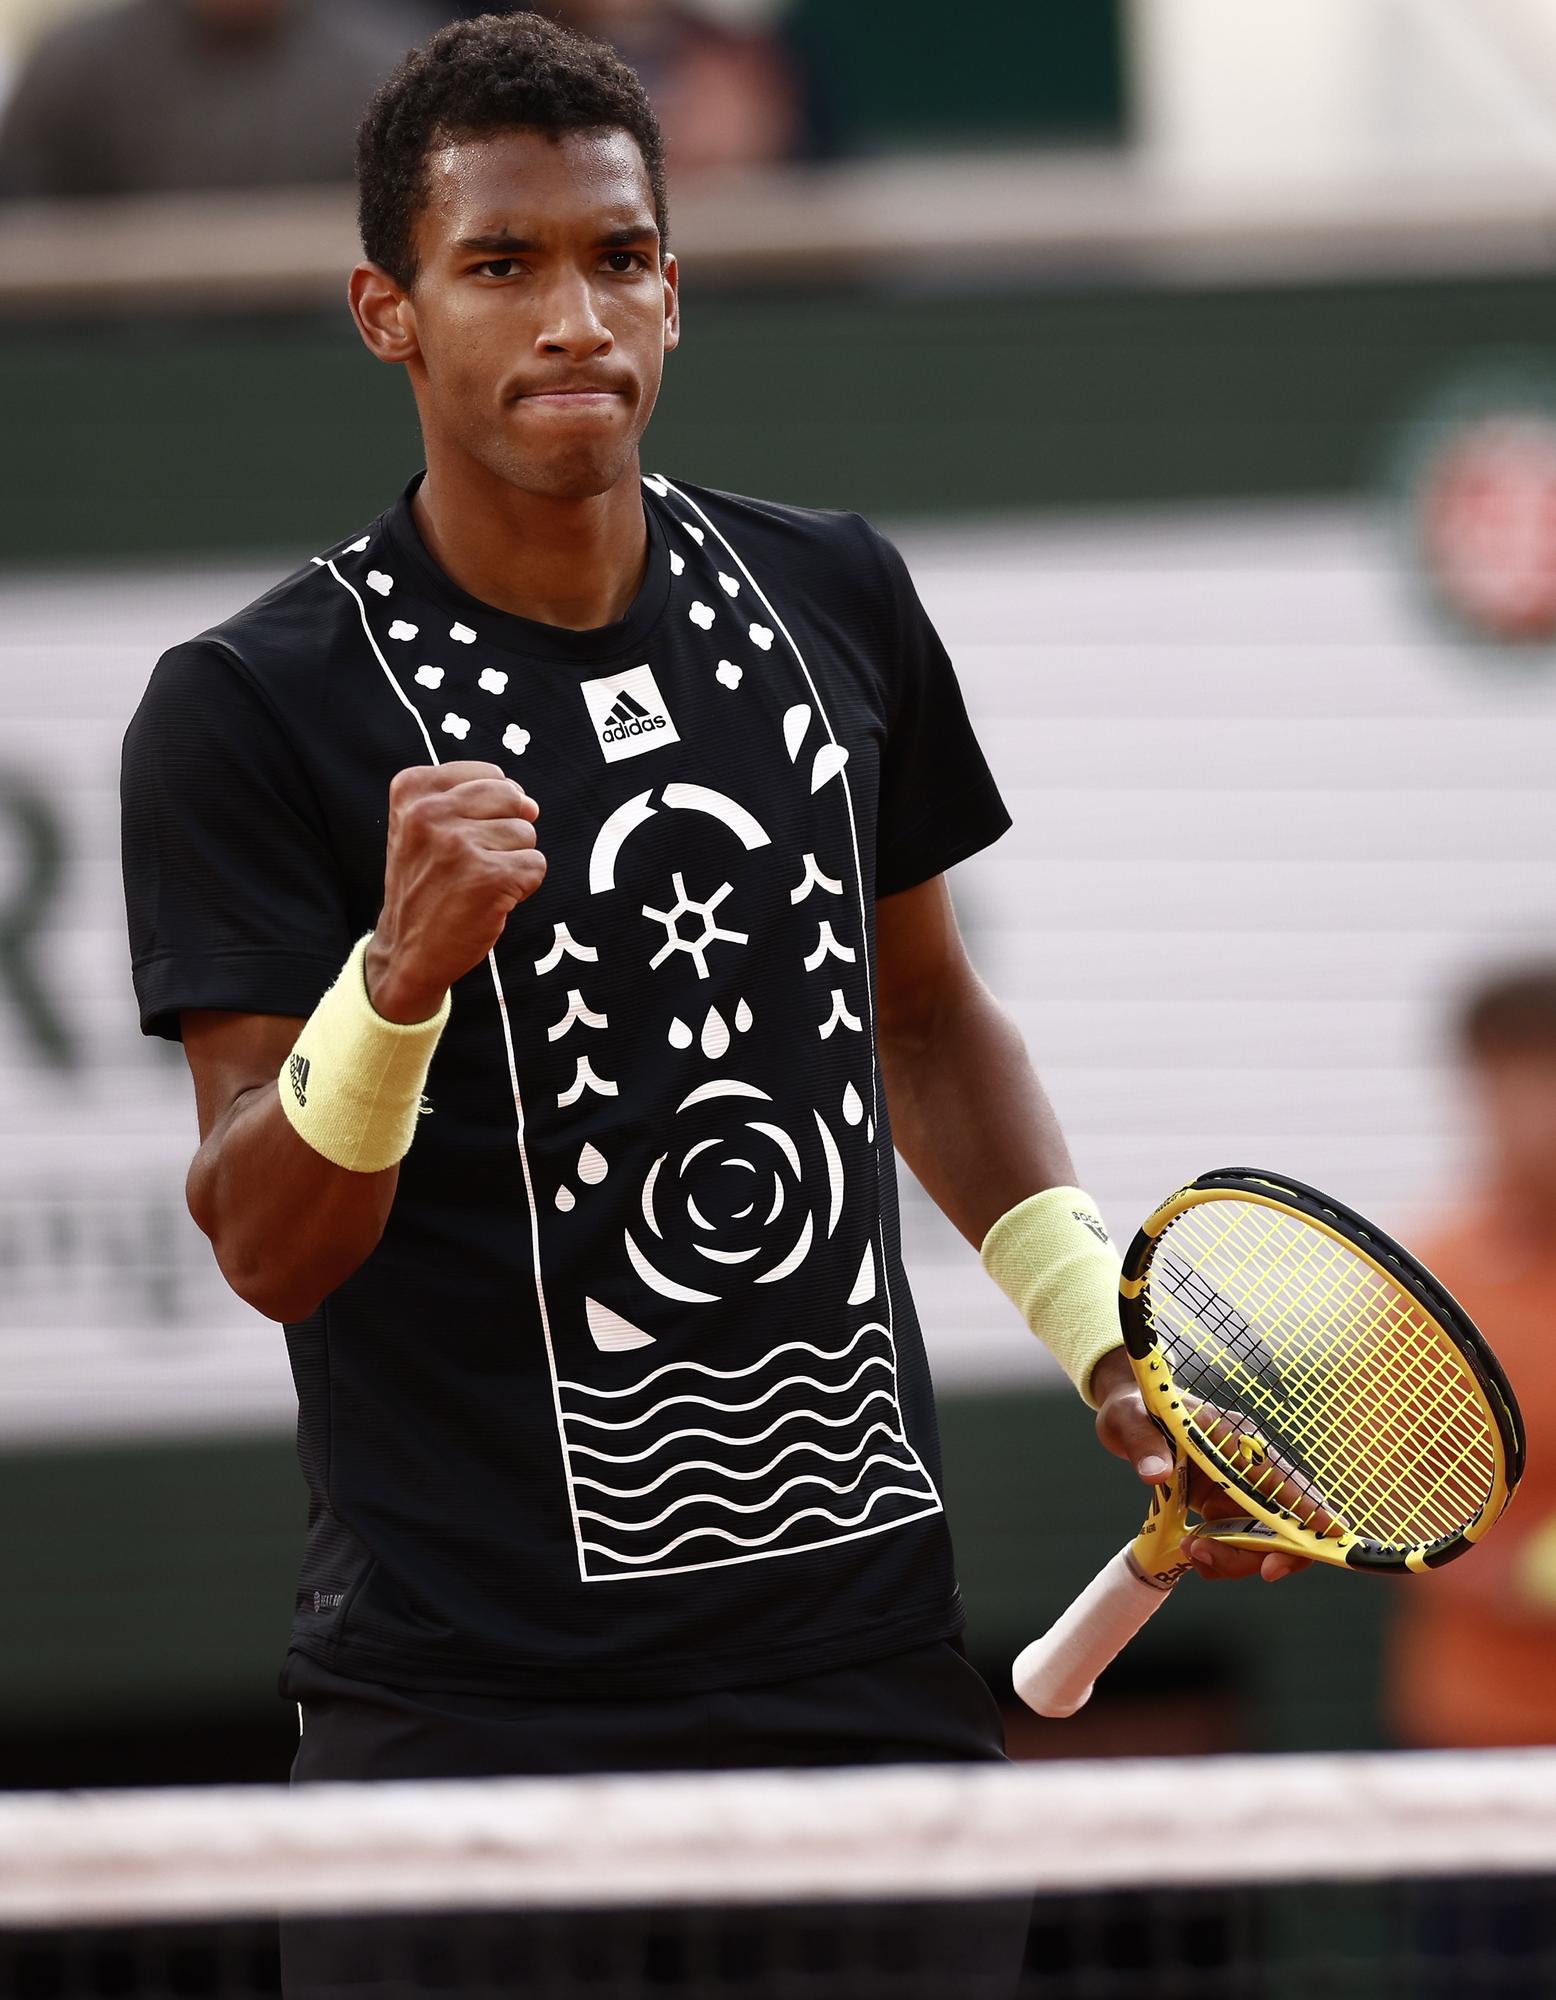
x=1055, y=1674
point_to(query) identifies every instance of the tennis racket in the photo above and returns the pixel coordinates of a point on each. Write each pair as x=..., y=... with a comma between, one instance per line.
x=1320, y=1376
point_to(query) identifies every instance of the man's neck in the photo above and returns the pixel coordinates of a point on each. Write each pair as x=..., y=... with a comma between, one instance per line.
x=573, y=563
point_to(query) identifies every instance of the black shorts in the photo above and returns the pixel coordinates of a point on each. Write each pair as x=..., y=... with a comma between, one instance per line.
x=924, y=1706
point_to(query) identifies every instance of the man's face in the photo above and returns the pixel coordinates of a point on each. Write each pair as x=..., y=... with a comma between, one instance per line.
x=540, y=311
x=1517, y=1099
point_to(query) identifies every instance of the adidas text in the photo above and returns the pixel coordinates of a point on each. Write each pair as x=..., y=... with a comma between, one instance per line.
x=635, y=727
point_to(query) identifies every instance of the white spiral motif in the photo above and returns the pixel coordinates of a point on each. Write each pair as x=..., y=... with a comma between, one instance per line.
x=727, y=1197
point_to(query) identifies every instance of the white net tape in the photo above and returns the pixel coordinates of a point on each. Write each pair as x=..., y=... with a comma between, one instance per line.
x=771, y=1837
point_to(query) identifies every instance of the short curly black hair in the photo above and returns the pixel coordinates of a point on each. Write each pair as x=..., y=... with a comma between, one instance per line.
x=495, y=73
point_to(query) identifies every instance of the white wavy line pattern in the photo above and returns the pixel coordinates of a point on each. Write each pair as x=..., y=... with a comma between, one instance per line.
x=918, y=1493
x=720, y=1437
x=739, y=1507
x=866, y=1457
x=728, y=1374
x=734, y=1409
x=756, y=1472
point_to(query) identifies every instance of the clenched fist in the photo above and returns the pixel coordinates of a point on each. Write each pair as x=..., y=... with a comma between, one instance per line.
x=462, y=854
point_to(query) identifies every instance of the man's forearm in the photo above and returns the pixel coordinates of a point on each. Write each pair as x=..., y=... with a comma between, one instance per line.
x=968, y=1113
x=286, y=1224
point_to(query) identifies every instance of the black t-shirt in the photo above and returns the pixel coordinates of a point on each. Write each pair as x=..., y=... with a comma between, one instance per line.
x=632, y=1392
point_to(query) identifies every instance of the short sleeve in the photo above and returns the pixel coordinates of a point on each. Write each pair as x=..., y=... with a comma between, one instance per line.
x=233, y=894
x=938, y=802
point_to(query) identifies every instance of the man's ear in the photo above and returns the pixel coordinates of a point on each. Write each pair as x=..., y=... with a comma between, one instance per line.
x=671, y=274
x=384, y=313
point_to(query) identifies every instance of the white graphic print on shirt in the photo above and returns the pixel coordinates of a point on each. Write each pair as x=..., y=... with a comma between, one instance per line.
x=707, y=1415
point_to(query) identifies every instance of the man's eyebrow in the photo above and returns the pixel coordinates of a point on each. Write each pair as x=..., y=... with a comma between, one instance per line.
x=500, y=243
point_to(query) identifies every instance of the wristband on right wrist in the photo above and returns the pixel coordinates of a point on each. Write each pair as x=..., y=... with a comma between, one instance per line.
x=351, y=1088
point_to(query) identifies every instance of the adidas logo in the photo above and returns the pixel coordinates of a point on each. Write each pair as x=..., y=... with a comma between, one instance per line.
x=1091, y=1222
x=630, y=718
x=629, y=714
x=297, y=1069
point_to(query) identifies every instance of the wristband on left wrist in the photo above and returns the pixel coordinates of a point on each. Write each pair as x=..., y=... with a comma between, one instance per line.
x=1052, y=1257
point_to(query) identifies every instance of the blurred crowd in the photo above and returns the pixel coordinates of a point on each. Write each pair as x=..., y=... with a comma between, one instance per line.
x=154, y=96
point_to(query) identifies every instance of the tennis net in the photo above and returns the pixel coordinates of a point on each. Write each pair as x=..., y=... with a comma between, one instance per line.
x=1388, y=1877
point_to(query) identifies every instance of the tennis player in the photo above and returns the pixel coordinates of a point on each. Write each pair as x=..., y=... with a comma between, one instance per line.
x=547, y=883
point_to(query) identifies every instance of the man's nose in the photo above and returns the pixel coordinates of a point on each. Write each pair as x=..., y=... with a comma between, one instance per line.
x=572, y=324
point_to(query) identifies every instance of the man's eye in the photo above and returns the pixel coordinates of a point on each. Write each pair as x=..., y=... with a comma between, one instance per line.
x=499, y=267
x=623, y=261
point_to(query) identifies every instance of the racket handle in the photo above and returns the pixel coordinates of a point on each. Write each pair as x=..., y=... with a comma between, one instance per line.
x=1055, y=1674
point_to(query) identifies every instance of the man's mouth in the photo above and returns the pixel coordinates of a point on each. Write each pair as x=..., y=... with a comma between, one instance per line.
x=571, y=398
x=571, y=395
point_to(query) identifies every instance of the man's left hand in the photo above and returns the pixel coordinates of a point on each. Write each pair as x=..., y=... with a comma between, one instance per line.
x=1127, y=1429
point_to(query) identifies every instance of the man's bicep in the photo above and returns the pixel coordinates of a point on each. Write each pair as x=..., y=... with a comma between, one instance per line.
x=230, y=1055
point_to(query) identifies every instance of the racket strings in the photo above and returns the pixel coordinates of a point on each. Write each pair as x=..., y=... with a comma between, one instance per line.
x=1262, y=1386
x=1392, y=1437
x=1293, y=1339
x=1389, y=1486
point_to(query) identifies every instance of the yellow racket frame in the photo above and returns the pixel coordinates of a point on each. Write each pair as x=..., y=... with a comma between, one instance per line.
x=1157, y=1552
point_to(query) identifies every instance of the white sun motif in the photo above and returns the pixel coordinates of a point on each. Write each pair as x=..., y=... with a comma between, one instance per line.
x=697, y=946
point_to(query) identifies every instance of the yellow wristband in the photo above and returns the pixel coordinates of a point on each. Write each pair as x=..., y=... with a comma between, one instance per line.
x=353, y=1082
x=1052, y=1257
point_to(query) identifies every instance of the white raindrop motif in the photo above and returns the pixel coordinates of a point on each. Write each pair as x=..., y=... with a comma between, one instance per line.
x=742, y=1018
x=565, y=1198
x=592, y=1167
x=830, y=759
x=796, y=721
x=715, y=1035
x=853, y=1109
x=680, y=1036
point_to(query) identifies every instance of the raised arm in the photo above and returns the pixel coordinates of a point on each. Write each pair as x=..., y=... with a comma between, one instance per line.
x=289, y=1221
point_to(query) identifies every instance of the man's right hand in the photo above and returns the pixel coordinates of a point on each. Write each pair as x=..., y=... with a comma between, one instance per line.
x=461, y=855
